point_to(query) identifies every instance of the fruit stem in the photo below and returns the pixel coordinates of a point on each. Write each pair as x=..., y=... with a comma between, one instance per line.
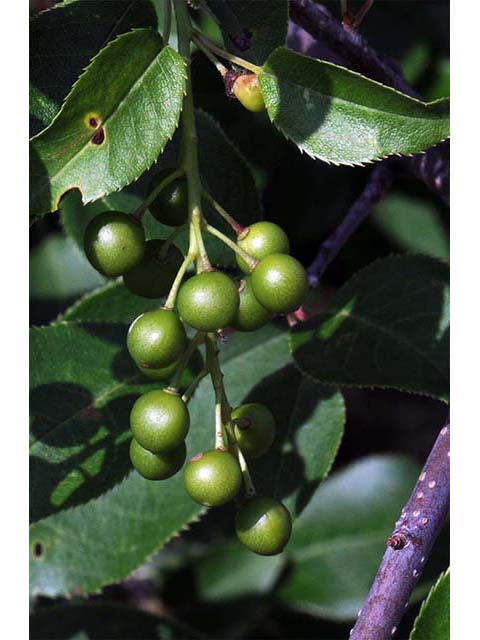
x=167, y=21
x=168, y=242
x=216, y=375
x=187, y=261
x=236, y=226
x=194, y=384
x=197, y=339
x=189, y=145
x=251, y=262
x=143, y=206
x=221, y=68
x=247, y=478
x=211, y=46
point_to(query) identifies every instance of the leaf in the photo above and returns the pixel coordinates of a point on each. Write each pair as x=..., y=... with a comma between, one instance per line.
x=433, y=621
x=112, y=126
x=339, y=540
x=58, y=270
x=42, y=108
x=252, y=29
x=387, y=327
x=64, y=39
x=225, y=174
x=339, y=116
x=413, y=224
x=97, y=621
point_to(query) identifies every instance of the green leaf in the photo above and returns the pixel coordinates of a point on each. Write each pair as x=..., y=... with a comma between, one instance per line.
x=413, y=224
x=112, y=126
x=252, y=29
x=97, y=621
x=64, y=39
x=339, y=116
x=387, y=327
x=339, y=540
x=58, y=270
x=225, y=174
x=433, y=621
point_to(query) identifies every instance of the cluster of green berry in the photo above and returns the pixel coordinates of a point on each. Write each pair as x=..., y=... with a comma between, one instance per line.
x=272, y=282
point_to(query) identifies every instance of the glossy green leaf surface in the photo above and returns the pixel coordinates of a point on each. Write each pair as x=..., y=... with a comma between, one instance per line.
x=339, y=540
x=252, y=29
x=387, y=327
x=111, y=127
x=433, y=621
x=339, y=116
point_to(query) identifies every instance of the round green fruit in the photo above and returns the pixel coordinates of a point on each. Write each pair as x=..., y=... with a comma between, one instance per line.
x=280, y=283
x=114, y=242
x=170, y=207
x=247, y=91
x=153, y=466
x=254, y=429
x=153, y=276
x=156, y=339
x=263, y=525
x=261, y=240
x=213, y=478
x=164, y=373
x=208, y=301
x=159, y=421
x=251, y=315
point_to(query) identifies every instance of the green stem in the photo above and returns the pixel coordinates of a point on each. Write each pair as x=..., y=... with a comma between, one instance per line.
x=251, y=262
x=187, y=261
x=216, y=374
x=198, y=338
x=169, y=241
x=211, y=46
x=140, y=210
x=221, y=68
x=236, y=226
x=193, y=385
x=167, y=21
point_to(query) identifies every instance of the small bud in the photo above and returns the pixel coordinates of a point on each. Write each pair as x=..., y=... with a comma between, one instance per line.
x=247, y=90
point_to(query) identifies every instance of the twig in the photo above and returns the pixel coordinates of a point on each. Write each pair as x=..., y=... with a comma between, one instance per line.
x=408, y=546
x=379, y=182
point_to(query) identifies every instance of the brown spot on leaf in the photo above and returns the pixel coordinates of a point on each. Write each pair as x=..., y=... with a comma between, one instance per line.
x=98, y=137
x=37, y=550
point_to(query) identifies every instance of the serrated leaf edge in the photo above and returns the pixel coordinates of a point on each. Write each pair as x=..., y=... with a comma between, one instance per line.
x=425, y=602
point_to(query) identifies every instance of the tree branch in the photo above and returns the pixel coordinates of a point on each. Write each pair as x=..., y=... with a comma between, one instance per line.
x=380, y=181
x=408, y=546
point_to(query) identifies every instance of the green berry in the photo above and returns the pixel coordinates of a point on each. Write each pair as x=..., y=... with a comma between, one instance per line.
x=164, y=373
x=156, y=339
x=114, y=242
x=208, y=301
x=170, y=207
x=159, y=421
x=154, y=466
x=263, y=525
x=247, y=91
x=254, y=429
x=153, y=276
x=251, y=315
x=213, y=478
x=261, y=240
x=280, y=283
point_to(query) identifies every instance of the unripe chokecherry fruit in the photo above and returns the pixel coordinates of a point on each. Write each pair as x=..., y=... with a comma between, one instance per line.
x=164, y=373
x=114, y=242
x=260, y=240
x=153, y=276
x=157, y=466
x=280, y=283
x=208, y=301
x=247, y=91
x=263, y=525
x=251, y=315
x=254, y=429
x=170, y=207
x=156, y=339
x=159, y=421
x=213, y=478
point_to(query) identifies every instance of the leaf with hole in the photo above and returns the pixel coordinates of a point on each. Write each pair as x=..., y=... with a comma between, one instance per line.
x=339, y=116
x=112, y=126
x=387, y=327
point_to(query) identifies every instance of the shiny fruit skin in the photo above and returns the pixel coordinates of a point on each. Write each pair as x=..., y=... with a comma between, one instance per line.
x=159, y=421
x=154, y=466
x=263, y=239
x=114, y=242
x=280, y=283
x=153, y=276
x=208, y=301
x=263, y=525
x=251, y=315
x=156, y=339
x=170, y=207
x=247, y=91
x=254, y=429
x=213, y=478
x=164, y=373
